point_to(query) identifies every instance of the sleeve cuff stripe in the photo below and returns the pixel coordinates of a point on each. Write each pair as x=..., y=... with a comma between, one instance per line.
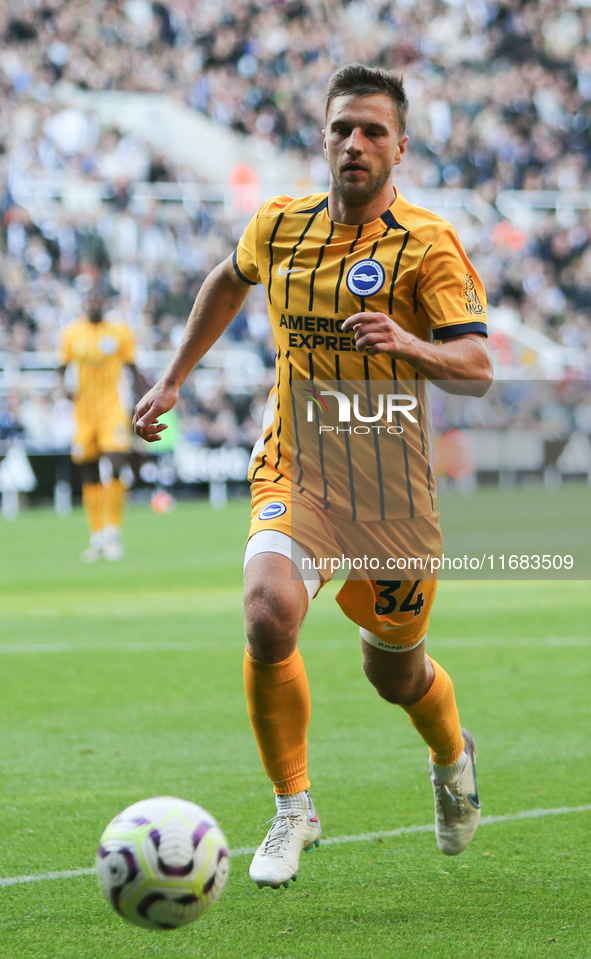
x=459, y=329
x=239, y=271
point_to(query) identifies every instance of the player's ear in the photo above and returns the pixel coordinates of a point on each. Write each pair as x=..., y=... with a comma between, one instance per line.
x=400, y=149
x=323, y=132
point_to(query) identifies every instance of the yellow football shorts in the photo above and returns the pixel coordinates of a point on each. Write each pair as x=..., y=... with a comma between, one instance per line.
x=395, y=605
x=95, y=436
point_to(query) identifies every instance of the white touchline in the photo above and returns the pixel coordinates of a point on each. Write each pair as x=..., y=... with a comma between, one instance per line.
x=23, y=649
x=37, y=877
x=331, y=840
x=28, y=649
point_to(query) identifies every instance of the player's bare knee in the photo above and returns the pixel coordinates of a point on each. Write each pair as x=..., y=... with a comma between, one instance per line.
x=89, y=472
x=118, y=461
x=397, y=692
x=272, y=619
x=397, y=678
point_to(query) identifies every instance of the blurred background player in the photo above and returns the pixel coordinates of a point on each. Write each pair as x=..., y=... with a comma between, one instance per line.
x=101, y=350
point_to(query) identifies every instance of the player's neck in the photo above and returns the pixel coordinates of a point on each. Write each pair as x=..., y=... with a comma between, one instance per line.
x=340, y=211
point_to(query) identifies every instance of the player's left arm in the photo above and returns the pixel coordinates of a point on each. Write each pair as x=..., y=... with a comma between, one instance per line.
x=453, y=299
x=460, y=364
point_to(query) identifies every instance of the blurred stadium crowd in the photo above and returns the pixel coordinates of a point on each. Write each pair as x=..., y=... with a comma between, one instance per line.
x=500, y=100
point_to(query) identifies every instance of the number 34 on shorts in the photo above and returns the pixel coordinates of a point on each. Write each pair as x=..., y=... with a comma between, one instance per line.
x=387, y=601
x=396, y=610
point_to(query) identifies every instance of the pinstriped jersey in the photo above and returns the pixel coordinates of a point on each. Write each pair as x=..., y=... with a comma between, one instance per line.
x=409, y=264
x=100, y=350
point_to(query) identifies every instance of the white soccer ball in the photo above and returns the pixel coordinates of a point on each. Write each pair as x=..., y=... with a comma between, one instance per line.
x=162, y=862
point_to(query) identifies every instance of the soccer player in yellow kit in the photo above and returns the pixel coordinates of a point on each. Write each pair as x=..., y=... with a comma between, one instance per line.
x=368, y=297
x=101, y=350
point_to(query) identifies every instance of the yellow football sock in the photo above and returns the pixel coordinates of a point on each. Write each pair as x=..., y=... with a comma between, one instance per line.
x=278, y=700
x=436, y=718
x=114, y=500
x=92, y=500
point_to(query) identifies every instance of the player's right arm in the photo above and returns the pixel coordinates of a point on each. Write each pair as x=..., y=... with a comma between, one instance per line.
x=61, y=372
x=65, y=358
x=217, y=303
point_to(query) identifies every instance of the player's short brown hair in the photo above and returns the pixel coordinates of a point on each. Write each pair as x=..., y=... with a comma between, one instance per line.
x=358, y=80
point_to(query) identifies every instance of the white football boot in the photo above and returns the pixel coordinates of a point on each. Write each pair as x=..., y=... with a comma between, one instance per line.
x=457, y=805
x=112, y=546
x=277, y=859
x=95, y=549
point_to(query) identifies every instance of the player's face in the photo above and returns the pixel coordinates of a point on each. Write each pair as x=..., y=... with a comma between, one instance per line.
x=362, y=145
x=95, y=306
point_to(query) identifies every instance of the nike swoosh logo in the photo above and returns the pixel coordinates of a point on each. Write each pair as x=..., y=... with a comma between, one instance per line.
x=474, y=797
x=293, y=269
x=388, y=626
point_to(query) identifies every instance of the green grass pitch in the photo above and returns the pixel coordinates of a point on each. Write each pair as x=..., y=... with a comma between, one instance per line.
x=123, y=681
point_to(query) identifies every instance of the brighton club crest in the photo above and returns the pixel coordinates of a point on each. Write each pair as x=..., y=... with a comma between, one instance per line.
x=366, y=278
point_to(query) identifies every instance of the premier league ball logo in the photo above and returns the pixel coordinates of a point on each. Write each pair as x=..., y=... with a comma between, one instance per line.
x=366, y=278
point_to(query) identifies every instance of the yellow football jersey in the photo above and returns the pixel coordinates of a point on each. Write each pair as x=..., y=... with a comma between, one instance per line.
x=350, y=428
x=100, y=350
